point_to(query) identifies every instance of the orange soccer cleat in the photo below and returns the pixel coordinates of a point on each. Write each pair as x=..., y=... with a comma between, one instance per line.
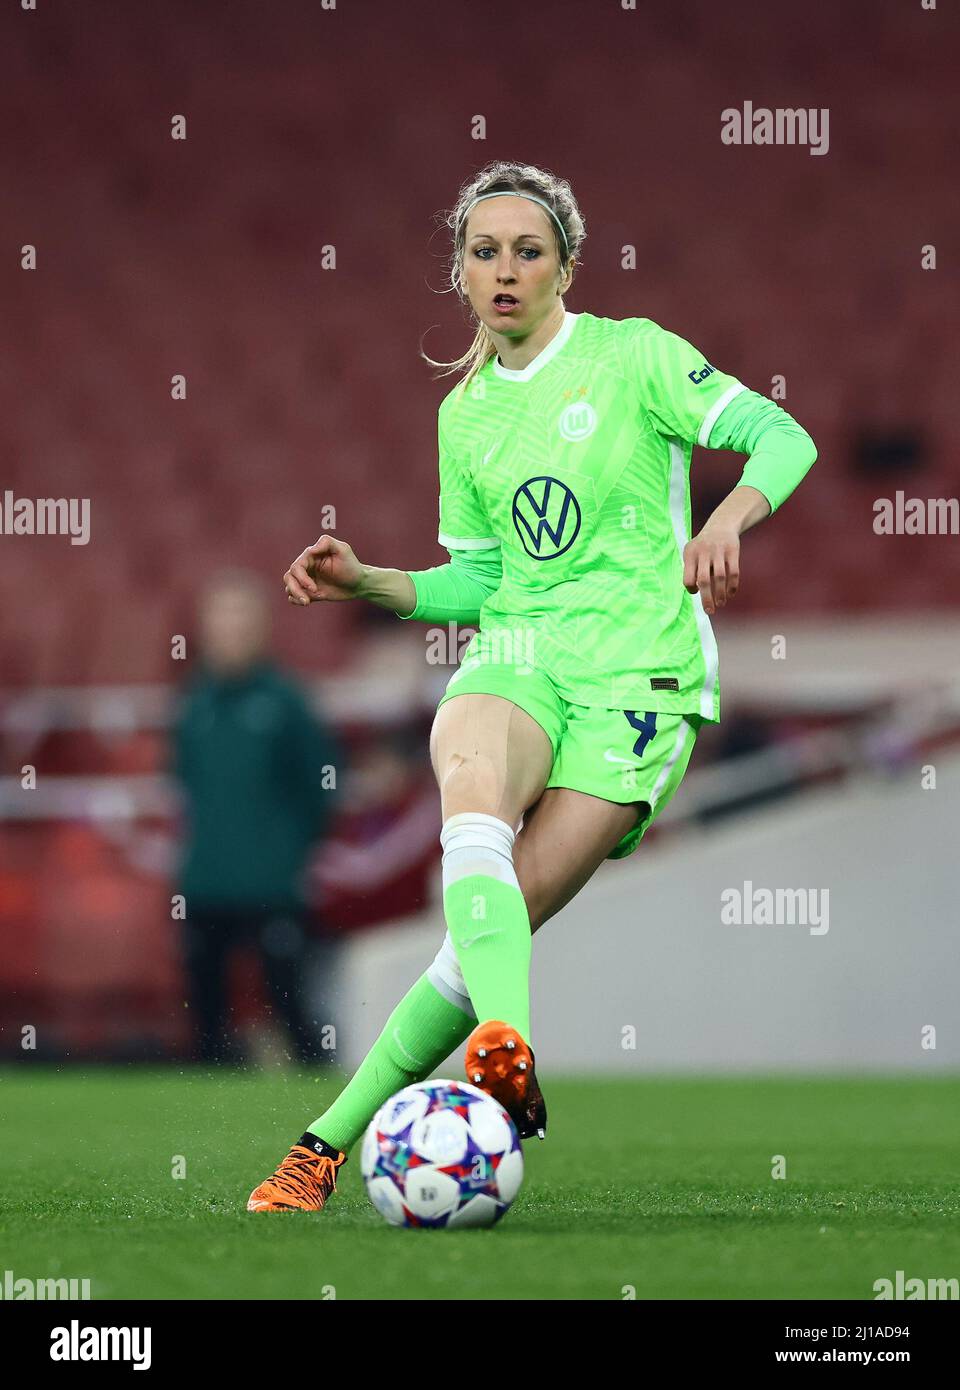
x=304, y=1180
x=499, y=1062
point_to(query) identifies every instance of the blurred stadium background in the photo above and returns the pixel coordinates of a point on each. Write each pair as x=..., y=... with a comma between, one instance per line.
x=350, y=128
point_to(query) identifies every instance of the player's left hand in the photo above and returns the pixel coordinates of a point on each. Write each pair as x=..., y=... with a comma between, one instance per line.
x=711, y=566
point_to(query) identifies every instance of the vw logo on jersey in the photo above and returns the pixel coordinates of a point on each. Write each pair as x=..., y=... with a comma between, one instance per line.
x=547, y=517
x=577, y=421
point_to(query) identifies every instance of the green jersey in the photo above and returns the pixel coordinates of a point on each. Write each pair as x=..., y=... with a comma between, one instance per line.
x=577, y=468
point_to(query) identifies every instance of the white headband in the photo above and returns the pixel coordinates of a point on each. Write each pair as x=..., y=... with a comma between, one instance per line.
x=510, y=193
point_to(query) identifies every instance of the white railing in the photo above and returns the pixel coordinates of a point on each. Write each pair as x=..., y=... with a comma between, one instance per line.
x=885, y=739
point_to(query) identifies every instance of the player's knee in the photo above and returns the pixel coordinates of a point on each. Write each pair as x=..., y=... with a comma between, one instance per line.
x=470, y=782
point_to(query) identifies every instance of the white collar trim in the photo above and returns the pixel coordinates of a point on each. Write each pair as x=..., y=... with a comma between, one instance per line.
x=543, y=356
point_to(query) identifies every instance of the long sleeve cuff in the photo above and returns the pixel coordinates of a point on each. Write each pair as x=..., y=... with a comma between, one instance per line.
x=781, y=452
x=456, y=592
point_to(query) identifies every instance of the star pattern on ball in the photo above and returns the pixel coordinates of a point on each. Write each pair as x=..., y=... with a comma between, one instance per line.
x=395, y=1157
x=449, y=1099
x=468, y=1171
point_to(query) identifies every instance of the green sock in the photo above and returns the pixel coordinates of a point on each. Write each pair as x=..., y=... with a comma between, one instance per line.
x=490, y=929
x=423, y=1029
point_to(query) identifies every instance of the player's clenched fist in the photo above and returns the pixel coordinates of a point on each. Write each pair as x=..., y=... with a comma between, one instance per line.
x=328, y=570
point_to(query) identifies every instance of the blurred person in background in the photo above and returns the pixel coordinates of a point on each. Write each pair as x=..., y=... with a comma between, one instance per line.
x=258, y=771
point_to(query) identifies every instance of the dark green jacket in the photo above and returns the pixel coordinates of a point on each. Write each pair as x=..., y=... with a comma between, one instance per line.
x=250, y=758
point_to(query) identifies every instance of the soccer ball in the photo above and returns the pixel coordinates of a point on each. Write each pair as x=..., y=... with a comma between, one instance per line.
x=441, y=1153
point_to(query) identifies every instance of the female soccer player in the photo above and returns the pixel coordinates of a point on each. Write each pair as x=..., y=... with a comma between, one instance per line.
x=565, y=505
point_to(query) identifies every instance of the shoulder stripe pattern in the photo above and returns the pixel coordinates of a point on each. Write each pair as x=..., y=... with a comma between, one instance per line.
x=713, y=414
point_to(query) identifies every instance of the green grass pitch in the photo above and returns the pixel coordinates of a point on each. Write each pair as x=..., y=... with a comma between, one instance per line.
x=662, y=1185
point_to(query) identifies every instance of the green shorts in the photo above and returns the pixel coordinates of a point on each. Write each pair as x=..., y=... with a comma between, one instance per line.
x=619, y=755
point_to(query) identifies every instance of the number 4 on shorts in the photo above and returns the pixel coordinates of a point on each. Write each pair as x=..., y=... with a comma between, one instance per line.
x=646, y=727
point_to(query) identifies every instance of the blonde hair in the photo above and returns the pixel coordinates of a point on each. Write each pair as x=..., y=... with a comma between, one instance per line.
x=505, y=176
